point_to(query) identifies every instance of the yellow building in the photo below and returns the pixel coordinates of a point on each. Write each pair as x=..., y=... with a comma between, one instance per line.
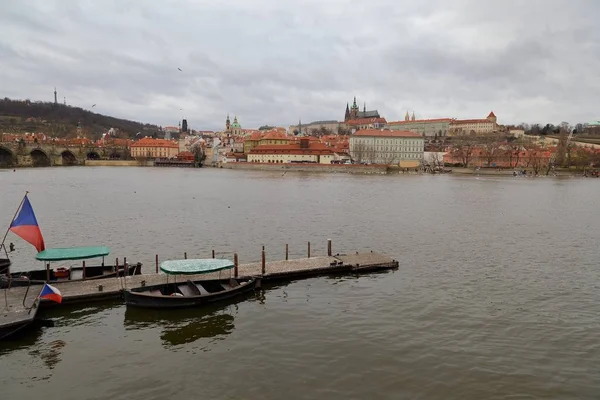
x=154, y=148
x=274, y=138
x=252, y=141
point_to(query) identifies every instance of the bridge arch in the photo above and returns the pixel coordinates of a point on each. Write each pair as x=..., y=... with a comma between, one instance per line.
x=7, y=157
x=92, y=155
x=39, y=158
x=68, y=158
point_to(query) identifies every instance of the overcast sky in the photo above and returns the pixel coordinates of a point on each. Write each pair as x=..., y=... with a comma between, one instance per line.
x=275, y=61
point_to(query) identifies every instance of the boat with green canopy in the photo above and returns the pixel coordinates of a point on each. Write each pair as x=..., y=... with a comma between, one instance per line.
x=24, y=224
x=189, y=293
x=73, y=272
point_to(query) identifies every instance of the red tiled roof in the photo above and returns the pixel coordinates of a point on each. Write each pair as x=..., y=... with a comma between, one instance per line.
x=470, y=121
x=275, y=135
x=386, y=133
x=491, y=115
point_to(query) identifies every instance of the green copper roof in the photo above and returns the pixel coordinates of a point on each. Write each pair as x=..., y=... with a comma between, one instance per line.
x=195, y=266
x=72, y=253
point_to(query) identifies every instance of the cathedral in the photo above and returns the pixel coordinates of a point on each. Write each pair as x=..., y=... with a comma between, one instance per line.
x=354, y=112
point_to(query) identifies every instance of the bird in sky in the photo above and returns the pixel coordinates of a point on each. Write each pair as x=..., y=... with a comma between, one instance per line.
x=179, y=69
x=93, y=106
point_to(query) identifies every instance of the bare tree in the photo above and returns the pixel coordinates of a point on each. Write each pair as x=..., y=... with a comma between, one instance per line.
x=581, y=158
x=491, y=148
x=359, y=151
x=462, y=148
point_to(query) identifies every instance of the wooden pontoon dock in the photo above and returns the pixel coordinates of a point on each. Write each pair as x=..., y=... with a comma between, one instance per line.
x=18, y=309
x=110, y=288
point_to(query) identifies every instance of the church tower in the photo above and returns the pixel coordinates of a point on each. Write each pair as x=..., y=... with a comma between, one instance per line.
x=354, y=109
x=227, y=123
x=347, y=115
x=413, y=117
x=406, y=116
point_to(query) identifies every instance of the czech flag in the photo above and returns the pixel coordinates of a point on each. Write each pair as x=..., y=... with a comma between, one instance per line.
x=51, y=293
x=25, y=225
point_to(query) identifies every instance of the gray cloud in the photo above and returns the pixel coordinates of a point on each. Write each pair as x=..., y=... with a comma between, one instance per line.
x=274, y=61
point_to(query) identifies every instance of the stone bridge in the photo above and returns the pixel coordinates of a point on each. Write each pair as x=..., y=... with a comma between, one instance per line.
x=15, y=154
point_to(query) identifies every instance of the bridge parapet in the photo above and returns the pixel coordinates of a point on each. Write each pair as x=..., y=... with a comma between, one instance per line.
x=50, y=154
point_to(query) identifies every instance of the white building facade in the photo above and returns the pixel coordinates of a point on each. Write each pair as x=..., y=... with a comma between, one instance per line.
x=380, y=146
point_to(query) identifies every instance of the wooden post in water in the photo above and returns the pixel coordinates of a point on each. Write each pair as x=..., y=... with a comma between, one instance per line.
x=83, y=269
x=308, y=249
x=185, y=255
x=329, y=247
x=263, y=261
x=213, y=253
x=286, y=252
x=235, y=265
x=117, y=265
x=47, y=272
x=156, y=262
x=125, y=267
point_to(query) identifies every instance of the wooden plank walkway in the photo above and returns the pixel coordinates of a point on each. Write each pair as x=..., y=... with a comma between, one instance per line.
x=14, y=314
x=92, y=290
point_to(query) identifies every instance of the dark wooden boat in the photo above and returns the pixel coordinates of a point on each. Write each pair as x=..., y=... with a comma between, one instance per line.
x=70, y=273
x=189, y=293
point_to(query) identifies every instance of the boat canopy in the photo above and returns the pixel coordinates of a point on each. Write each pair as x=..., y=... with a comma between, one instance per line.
x=195, y=266
x=72, y=253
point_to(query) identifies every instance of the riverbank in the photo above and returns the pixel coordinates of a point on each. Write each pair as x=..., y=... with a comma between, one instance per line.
x=510, y=172
x=119, y=163
x=335, y=168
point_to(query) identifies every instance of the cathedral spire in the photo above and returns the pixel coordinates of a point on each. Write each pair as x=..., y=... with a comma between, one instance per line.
x=406, y=116
x=365, y=107
x=354, y=104
x=347, y=115
x=413, y=116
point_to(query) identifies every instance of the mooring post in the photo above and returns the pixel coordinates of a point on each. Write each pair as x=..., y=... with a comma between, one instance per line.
x=48, y=272
x=83, y=269
x=185, y=255
x=125, y=267
x=263, y=261
x=235, y=265
x=308, y=249
x=213, y=253
x=286, y=252
x=156, y=262
x=329, y=247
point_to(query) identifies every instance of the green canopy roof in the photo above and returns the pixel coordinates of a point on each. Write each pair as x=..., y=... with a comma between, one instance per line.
x=195, y=266
x=72, y=253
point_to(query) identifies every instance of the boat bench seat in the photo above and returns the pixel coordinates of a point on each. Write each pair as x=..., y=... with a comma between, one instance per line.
x=233, y=283
x=155, y=292
x=201, y=289
x=188, y=289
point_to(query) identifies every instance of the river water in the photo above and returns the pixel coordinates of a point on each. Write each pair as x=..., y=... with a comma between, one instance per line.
x=497, y=295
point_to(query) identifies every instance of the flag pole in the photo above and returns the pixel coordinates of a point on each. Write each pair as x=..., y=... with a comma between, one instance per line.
x=11, y=221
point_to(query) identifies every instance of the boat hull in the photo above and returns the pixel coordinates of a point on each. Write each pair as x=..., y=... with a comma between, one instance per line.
x=153, y=297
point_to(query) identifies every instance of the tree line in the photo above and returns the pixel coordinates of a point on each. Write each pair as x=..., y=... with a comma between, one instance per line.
x=59, y=120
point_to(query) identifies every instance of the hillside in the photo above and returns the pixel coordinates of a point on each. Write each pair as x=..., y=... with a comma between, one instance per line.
x=18, y=116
